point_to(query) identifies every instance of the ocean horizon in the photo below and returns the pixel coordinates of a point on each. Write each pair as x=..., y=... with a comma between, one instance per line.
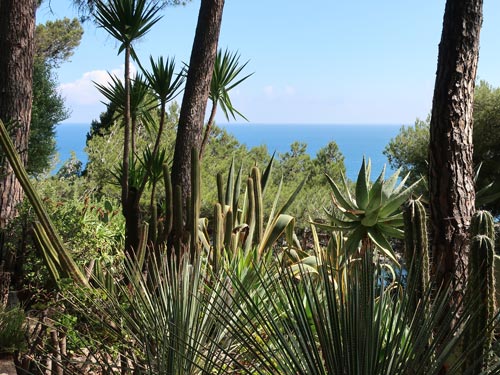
x=354, y=141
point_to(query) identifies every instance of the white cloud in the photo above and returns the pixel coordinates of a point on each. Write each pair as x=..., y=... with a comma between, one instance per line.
x=269, y=91
x=83, y=92
x=273, y=92
x=290, y=90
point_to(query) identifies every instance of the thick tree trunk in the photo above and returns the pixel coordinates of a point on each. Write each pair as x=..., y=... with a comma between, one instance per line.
x=196, y=92
x=451, y=183
x=17, y=28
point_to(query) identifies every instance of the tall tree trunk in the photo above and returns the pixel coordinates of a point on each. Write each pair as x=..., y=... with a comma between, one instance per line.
x=130, y=204
x=17, y=28
x=196, y=92
x=451, y=183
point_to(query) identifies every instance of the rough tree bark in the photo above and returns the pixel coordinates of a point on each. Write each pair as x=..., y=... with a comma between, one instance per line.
x=196, y=93
x=17, y=28
x=451, y=182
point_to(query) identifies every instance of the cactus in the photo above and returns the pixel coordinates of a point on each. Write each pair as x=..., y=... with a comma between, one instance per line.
x=250, y=218
x=482, y=223
x=481, y=281
x=416, y=246
x=169, y=199
x=245, y=227
x=220, y=190
x=153, y=223
x=259, y=210
x=218, y=235
x=228, y=229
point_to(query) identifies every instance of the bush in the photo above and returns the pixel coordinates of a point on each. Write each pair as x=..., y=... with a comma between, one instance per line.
x=12, y=329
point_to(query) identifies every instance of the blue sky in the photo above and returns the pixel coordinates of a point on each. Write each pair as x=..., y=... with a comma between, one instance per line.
x=324, y=61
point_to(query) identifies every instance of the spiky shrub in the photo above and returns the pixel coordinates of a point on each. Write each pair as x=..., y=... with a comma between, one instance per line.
x=481, y=282
x=314, y=323
x=162, y=320
x=416, y=244
x=373, y=214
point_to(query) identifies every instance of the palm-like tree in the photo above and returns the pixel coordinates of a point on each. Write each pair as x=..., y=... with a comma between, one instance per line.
x=127, y=21
x=227, y=70
x=165, y=85
x=141, y=103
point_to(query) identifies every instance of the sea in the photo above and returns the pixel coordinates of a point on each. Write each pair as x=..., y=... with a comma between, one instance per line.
x=354, y=141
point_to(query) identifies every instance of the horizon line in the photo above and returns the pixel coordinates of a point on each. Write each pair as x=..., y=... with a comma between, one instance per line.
x=277, y=123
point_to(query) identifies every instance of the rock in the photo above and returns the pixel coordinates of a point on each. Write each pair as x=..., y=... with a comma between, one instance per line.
x=7, y=366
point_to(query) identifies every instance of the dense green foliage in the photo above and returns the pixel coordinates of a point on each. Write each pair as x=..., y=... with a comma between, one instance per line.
x=409, y=149
x=266, y=317
x=54, y=43
x=292, y=166
x=265, y=309
x=48, y=110
x=12, y=329
x=233, y=290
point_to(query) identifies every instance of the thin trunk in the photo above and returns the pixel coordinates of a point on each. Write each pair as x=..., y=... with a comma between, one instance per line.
x=126, y=130
x=451, y=182
x=17, y=27
x=133, y=131
x=156, y=147
x=196, y=93
x=208, y=129
x=132, y=220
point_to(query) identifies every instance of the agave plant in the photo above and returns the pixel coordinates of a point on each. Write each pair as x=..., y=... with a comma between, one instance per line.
x=373, y=214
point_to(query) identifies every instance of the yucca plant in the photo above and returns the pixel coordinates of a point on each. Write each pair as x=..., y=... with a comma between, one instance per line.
x=226, y=76
x=127, y=21
x=165, y=85
x=373, y=214
x=141, y=103
x=163, y=320
x=309, y=323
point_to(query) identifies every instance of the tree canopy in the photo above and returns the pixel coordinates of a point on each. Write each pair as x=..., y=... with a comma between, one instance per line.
x=55, y=42
x=409, y=149
x=48, y=110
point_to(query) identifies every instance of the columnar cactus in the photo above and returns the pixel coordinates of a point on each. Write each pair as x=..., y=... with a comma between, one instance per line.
x=481, y=281
x=259, y=210
x=218, y=235
x=416, y=246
